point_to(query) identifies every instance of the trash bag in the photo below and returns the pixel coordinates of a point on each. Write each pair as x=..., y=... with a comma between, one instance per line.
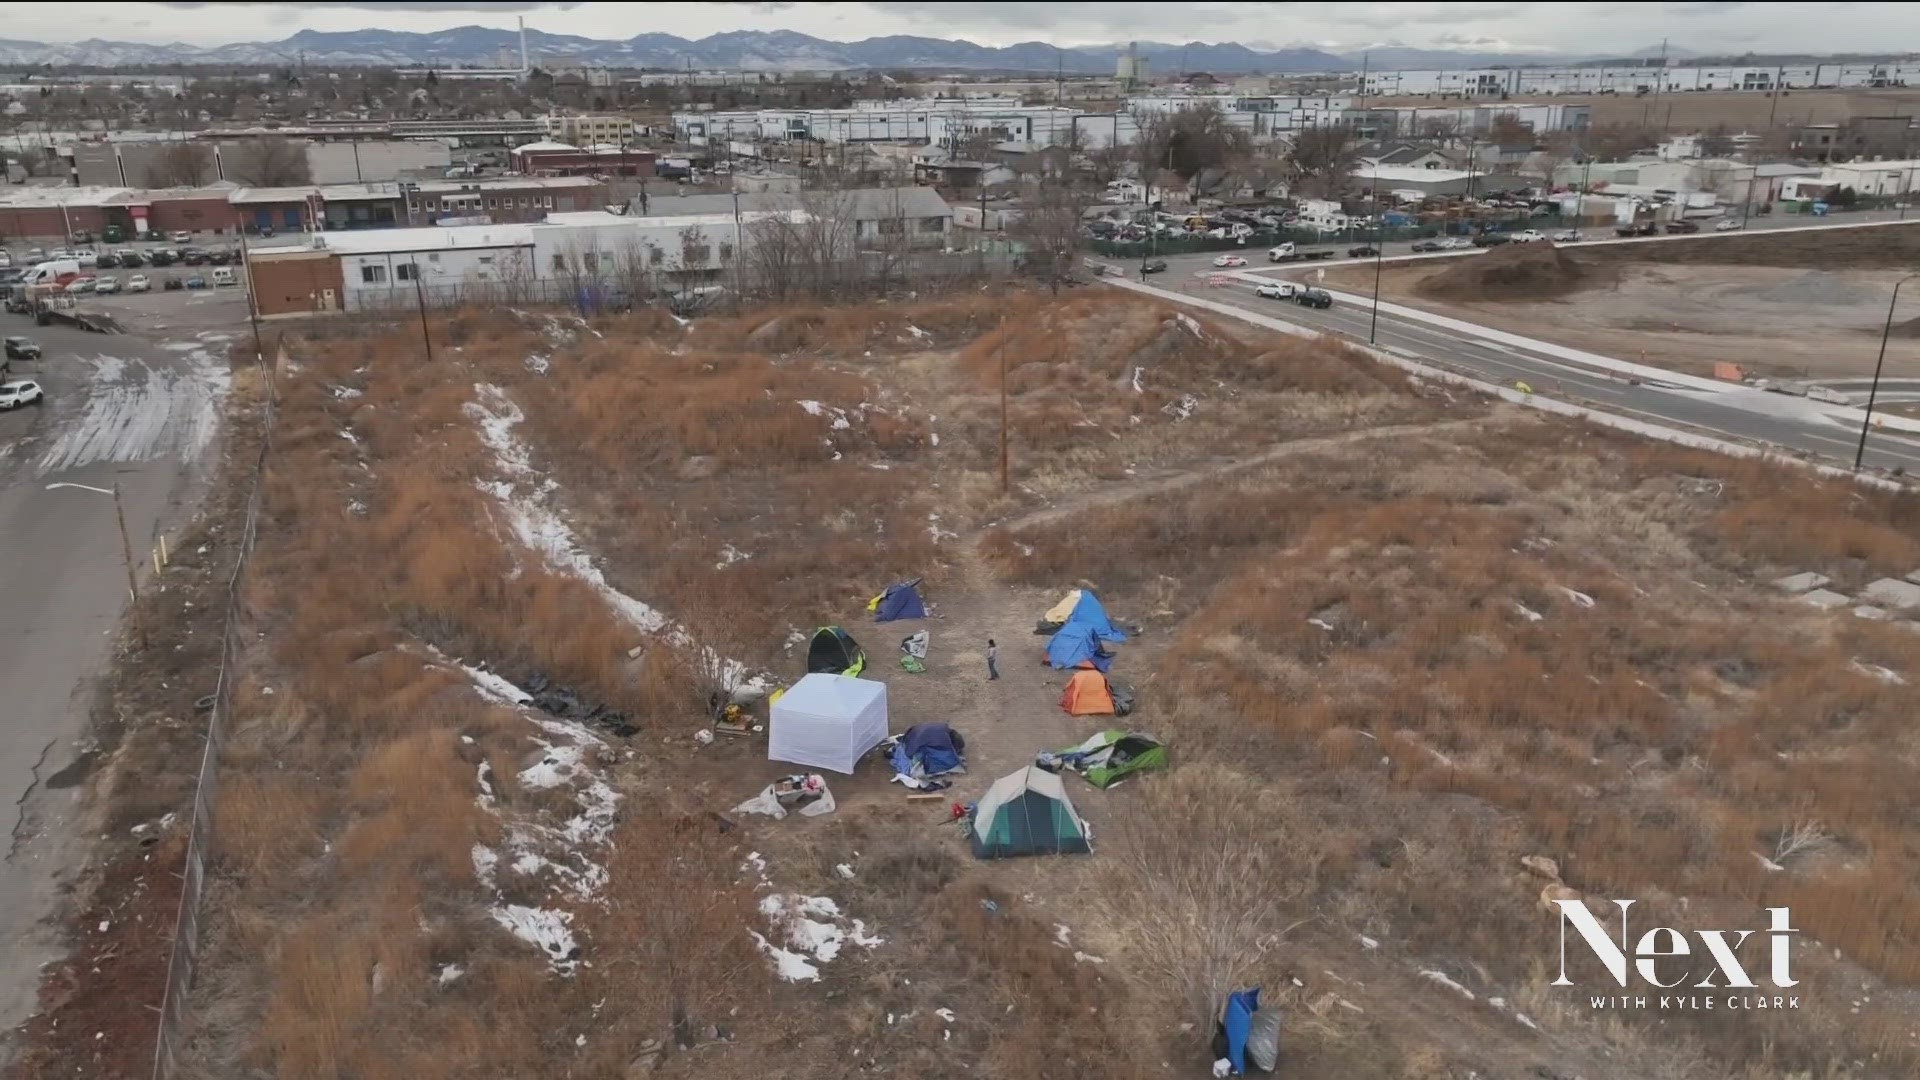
x=915, y=644
x=913, y=666
x=1263, y=1040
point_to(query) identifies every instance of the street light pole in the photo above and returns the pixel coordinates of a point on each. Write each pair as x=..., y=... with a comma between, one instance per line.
x=1859, y=455
x=1379, y=252
x=126, y=556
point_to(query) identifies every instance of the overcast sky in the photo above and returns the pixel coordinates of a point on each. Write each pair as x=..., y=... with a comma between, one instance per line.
x=1550, y=27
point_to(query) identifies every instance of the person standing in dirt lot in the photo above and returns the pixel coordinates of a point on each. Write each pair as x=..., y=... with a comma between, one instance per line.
x=993, y=660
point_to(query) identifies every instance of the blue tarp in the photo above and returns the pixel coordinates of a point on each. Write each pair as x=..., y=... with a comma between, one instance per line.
x=1241, y=1005
x=1077, y=642
x=1089, y=612
x=900, y=601
x=934, y=747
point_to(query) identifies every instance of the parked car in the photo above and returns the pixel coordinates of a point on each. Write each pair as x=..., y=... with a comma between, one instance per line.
x=1421, y=246
x=196, y=282
x=1313, y=298
x=24, y=392
x=1568, y=236
x=138, y=283
x=1153, y=266
x=1229, y=260
x=1528, y=236
x=80, y=285
x=81, y=236
x=107, y=285
x=1455, y=243
x=1364, y=251
x=22, y=348
x=128, y=257
x=223, y=275
x=1277, y=290
x=1728, y=225
x=87, y=259
x=179, y=237
x=6, y=258
x=220, y=256
x=172, y=284
x=1645, y=228
x=163, y=256
x=1683, y=226
x=35, y=255
x=106, y=260
x=1491, y=239
x=193, y=257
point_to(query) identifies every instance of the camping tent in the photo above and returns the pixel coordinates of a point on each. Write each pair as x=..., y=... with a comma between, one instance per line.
x=834, y=652
x=1077, y=645
x=1027, y=813
x=1059, y=613
x=929, y=749
x=827, y=722
x=1113, y=754
x=1087, y=695
x=1088, y=611
x=900, y=601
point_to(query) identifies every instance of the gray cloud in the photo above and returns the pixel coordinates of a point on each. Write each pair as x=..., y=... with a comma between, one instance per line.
x=292, y=12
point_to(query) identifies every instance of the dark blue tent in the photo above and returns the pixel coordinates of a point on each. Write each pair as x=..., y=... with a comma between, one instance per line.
x=934, y=747
x=1074, y=644
x=900, y=601
x=1089, y=612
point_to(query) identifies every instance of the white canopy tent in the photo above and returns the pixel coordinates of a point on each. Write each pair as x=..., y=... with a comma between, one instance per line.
x=828, y=722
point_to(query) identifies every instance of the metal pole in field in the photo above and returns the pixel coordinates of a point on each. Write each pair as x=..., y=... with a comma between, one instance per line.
x=126, y=556
x=420, y=297
x=1379, y=252
x=1003, y=406
x=1860, y=455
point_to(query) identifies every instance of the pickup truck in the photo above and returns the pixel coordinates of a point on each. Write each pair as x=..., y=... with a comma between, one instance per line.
x=1683, y=226
x=1645, y=228
x=1288, y=252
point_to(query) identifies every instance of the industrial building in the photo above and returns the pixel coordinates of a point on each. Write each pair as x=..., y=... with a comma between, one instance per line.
x=588, y=130
x=1645, y=78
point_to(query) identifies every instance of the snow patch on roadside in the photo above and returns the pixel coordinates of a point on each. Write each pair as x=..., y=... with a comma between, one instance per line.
x=137, y=412
x=813, y=929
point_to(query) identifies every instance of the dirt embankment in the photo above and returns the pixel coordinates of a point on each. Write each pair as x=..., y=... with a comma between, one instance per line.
x=1861, y=248
x=1537, y=271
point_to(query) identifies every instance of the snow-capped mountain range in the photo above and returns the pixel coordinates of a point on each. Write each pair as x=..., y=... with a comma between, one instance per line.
x=777, y=50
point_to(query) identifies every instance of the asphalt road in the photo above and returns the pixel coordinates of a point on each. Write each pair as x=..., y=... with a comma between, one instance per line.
x=140, y=411
x=1736, y=413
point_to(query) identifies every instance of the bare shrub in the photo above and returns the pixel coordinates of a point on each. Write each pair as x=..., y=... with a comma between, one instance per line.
x=1207, y=865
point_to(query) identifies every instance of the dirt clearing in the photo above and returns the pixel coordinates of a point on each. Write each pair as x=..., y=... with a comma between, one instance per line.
x=1782, y=306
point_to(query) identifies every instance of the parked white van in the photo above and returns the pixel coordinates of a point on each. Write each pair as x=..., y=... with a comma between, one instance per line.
x=223, y=275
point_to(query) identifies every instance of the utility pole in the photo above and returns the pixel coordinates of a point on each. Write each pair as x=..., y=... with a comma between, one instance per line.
x=126, y=557
x=420, y=298
x=1873, y=394
x=1379, y=252
x=1003, y=405
x=1773, y=110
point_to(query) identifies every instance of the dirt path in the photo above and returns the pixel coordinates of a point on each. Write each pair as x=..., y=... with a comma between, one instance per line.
x=1113, y=494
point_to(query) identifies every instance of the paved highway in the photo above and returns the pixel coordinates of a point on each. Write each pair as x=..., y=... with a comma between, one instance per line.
x=1736, y=413
x=140, y=410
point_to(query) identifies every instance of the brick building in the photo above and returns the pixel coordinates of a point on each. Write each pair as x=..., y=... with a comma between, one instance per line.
x=559, y=159
x=508, y=199
x=296, y=281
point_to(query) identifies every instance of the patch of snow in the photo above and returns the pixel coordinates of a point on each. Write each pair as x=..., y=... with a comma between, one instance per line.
x=1368, y=943
x=544, y=929
x=730, y=555
x=1768, y=864
x=1138, y=387
x=1183, y=408
x=1087, y=958
x=790, y=966
x=933, y=438
x=1441, y=978
x=917, y=332
x=1579, y=598
x=814, y=925
x=944, y=1014
x=496, y=688
x=1875, y=671
x=843, y=870
x=485, y=862
x=560, y=765
x=756, y=864
x=344, y=393
x=1321, y=623
x=449, y=974
x=1531, y=615
x=539, y=363
x=137, y=412
x=813, y=408
x=934, y=530
x=1063, y=935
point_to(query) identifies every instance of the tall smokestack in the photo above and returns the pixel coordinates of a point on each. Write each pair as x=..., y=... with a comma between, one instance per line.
x=524, y=66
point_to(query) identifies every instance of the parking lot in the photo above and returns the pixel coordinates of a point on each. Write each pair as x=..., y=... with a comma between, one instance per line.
x=158, y=277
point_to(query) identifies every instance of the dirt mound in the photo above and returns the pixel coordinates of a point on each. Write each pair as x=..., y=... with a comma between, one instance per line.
x=1536, y=271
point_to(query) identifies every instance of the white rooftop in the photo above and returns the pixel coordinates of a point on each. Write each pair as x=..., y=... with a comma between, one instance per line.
x=1412, y=174
x=391, y=241
x=545, y=144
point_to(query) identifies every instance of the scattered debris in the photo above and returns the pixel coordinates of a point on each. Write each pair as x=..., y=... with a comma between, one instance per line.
x=1802, y=582
x=1442, y=978
x=1824, y=599
x=1885, y=675
x=1579, y=598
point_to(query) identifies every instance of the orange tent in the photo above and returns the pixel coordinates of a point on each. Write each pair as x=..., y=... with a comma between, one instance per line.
x=1087, y=695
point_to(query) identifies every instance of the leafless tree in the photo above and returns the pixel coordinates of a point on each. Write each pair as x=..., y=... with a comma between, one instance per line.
x=1322, y=159
x=1717, y=141
x=1554, y=152
x=182, y=164
x=1444, y=130
x=1508, y=129
x=271, y=163
x=1051, y=226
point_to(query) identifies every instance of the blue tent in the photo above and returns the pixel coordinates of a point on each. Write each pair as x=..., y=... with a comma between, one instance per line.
x=900, y=601
x=1074, y=644
x=934, y=747
x=1241, y=1005
x=1089, y=612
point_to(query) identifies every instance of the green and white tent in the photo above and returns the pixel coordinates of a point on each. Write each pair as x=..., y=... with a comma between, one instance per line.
x=1028, y=813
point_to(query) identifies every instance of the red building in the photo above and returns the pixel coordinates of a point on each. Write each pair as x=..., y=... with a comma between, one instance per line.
x=562, y=159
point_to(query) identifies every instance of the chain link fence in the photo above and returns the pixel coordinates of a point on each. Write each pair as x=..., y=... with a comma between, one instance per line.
x=183, y=963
